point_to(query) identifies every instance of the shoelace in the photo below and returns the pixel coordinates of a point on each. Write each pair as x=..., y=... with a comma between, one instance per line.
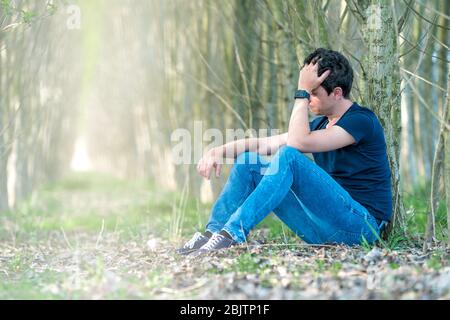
x=190, y=244
x=213, y=241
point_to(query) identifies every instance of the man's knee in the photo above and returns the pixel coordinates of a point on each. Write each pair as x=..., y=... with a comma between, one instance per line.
x=284, y=157
x=246, y=161
x=289, y=151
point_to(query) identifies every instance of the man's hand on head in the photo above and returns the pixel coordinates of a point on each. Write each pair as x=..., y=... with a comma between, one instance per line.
x=308, y=79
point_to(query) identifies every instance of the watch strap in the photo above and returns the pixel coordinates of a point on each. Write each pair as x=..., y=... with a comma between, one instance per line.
x=302, y=94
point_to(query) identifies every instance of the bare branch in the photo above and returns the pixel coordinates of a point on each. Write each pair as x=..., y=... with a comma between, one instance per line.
x=402, y=21
x=423, y=79
x=437, y=168
x=10, y=26
x=354, y=8
x=244, y=79
x=423, y=51
x=426, y=19
x=433, y=10
x=419, y=62
x=221, y=99
x=443, y=122
x=440, y=43
x=281, y=26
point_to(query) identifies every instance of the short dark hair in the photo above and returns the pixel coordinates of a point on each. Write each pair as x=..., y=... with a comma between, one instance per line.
x=341, y=70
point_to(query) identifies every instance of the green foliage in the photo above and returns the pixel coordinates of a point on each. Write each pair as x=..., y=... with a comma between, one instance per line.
x=366, y=245
x=438, y=259
x=417, y=204
x=398, y=240
x=18, y=263
x=278, y=231
x=6, y=7
x=247, y=263
x=434, y=262
x=28, y=16
x=394, y=265
x=52, y=8
x=320, y=265
x=335, y=268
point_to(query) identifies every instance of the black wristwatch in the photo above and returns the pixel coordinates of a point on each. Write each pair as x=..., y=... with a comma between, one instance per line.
x=302, y=94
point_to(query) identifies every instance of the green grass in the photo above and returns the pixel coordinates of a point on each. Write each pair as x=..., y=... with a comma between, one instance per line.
x=86, y=202
x=133, y=210
x=89, y=181
x=335, y=268
x=438, y=259
x=394, y=265
x=31, y=286
x=170, y=215
x=277, y=230
x=246, y=263
x=417, y=206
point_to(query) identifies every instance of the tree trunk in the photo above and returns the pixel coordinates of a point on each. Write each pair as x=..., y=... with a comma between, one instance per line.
x=447, y=172
x=272, y=84
x=4, y=204
x=445, y=70
x=382, y=65
x=4, y=83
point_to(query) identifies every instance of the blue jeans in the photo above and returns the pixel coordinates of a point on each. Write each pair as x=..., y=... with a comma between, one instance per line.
x=308, y=200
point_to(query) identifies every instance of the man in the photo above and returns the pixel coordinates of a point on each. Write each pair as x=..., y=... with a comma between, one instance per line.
x=344, y=197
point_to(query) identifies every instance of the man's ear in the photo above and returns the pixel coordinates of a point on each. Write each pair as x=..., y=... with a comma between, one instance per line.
x=338, y=93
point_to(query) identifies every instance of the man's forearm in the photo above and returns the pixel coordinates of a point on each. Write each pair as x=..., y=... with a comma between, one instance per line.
x=298, y=124
x=234, y=148
x=263, y=146
x=308, y=80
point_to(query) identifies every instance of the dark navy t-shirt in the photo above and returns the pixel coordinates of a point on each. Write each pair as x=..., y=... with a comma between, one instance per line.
x=362, y=168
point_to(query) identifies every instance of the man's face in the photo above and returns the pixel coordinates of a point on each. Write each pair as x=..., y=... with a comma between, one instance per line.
x=321, y=102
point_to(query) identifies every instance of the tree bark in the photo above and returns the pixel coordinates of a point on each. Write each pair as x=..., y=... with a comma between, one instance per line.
x=4, y=204
x=382, y=93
